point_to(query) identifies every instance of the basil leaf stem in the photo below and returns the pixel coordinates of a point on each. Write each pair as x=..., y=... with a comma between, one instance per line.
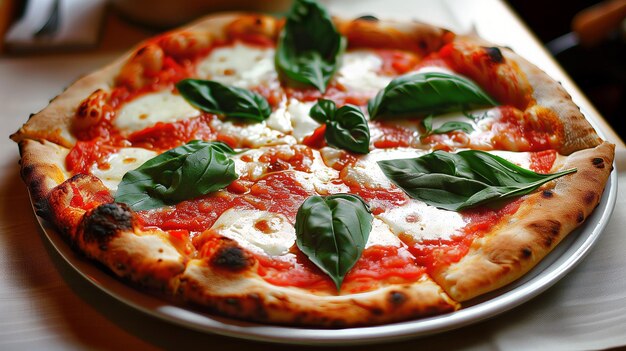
x=332, y=232
x=182, y=173
x=427, y=93
x=346, y=127
x=463, y=180
x=220, y=99
x=309, y=46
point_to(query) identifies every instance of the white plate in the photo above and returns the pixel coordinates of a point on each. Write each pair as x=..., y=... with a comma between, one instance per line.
x=552, y=268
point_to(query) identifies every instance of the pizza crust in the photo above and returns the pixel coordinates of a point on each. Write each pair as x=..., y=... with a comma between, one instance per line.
x=520, y=83
x=542, y=221
x=241, y=293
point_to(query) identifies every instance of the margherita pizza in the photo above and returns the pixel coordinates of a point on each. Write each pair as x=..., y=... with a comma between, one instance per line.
x=313, y=170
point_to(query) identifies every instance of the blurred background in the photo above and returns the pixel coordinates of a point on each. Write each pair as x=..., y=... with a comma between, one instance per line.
x=587, y=38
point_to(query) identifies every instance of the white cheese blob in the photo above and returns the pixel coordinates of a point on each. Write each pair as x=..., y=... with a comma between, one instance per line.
x=322, y=180
x=420, y=221
x=241, y=65
x=301, y=122
x=119, y=163
x=382, y=235
x=146, y=110
x=259, y=231
x=251, y=134
x=280, y=119
x=367, y=172
x=360, y=72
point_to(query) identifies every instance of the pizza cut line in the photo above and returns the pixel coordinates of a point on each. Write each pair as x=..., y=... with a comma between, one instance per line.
x=361, y=173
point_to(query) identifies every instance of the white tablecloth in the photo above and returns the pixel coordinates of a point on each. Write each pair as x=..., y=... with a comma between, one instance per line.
x=46, y=305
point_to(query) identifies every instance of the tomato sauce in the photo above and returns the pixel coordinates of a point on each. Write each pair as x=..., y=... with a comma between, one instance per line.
x=377, y=264
x=380, y=199
x=279, y=192
x=85, y=154
x=165, y=136
x=542, y=161
x=335, y=92
x=389, y=135
x=195, y=215
x=397, y=62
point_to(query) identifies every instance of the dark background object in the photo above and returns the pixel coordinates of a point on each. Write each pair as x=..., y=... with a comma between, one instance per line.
x=599, y=70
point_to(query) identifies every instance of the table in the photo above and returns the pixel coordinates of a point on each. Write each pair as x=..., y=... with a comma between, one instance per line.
x=45, y=304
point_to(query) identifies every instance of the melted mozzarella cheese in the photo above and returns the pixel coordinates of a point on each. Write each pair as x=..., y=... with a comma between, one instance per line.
x=280, y=119
x=301, y=122
x=251, y=134
x=119, y=163
x=240, y=65
x=147, y=110
x=321, y=179
x=382, y=235
x=360, y=72
x=420, y=221
x=258, y=231
x=367, y=172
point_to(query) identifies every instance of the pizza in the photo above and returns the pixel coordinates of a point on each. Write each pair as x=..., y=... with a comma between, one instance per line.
x=314, y=170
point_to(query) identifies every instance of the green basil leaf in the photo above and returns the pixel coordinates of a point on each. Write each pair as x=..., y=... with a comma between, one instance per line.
x=323, y=111
x=346, y=127
x=463, y=180
x=183, y=173
x=220, y=99
x=446, y=127
x=427, y=93
x=332, y=231
x=309, y=45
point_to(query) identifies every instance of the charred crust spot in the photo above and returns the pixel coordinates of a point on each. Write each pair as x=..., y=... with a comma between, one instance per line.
x=377, y=311
x=547, y=194
x=141, y=51
x=598, y=162
x=231, y=301
x=397, y=298
x=106, y=221
x=580, y=217
x=338, y=323
x=495, y=55
x=258, y=21
x=526, y=253
x=422, y=45
x=368, y=18
x=548, y=230
x=589, y=197
x=232, y=258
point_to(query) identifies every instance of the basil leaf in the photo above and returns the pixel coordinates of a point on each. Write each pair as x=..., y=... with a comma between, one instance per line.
x=220, y=99
x=446, y=127
x=323, y=111
x=463, y=180
x=332, y=231
x=309, y=45
x=346, y=127
x=185, y=172
x=427, y=93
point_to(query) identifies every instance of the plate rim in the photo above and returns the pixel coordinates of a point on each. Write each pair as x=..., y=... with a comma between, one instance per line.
x=548, y=272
